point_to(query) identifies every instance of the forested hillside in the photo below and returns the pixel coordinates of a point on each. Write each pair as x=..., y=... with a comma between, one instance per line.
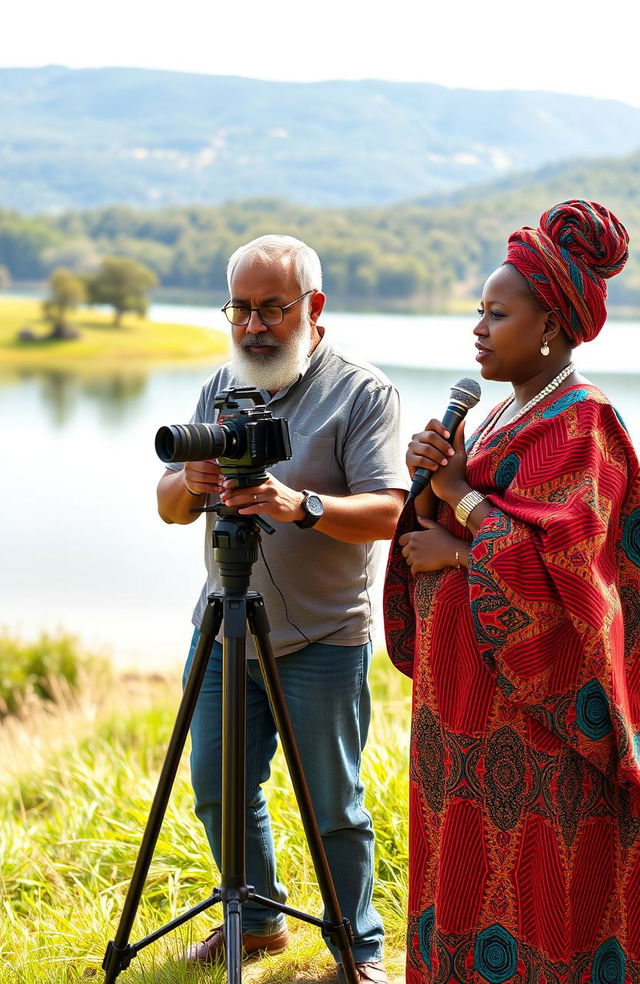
x=421, y=254
x=85, y=138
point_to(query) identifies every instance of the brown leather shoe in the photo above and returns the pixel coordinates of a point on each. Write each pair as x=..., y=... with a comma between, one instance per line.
x=212, y=948
x=372, y=972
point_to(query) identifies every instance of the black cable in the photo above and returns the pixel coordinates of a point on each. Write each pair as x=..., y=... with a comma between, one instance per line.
x=284, y=601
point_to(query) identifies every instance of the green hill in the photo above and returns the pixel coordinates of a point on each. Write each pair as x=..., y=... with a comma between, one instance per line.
x=91, y=137
x=424, y=254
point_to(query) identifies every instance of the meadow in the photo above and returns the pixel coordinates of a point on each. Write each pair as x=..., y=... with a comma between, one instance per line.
x=101, y=344
x=78, y=777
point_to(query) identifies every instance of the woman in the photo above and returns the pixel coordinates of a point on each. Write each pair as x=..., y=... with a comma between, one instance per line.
x=513, y=600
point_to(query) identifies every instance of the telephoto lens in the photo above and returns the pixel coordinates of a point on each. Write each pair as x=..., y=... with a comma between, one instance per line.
x=195, y=442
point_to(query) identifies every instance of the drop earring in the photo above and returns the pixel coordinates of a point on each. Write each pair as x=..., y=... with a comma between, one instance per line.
x=544, y=348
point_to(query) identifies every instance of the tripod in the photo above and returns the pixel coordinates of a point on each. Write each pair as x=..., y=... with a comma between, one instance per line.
x=235, y=540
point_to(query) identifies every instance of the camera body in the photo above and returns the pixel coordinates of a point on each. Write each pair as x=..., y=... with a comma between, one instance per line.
x=245, y=439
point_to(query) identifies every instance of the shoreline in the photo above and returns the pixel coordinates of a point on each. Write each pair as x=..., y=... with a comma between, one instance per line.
x=191, y=297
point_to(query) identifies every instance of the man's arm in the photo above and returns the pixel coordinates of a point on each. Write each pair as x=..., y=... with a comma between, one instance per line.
x=362, y=517
x=354, y=518
x=185, y=489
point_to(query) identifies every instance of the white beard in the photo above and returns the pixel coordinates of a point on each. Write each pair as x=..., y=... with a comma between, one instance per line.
x=280, y=367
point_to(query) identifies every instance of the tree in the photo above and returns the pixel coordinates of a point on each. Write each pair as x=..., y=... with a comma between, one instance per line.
x=123, y=284
x=77, y=254
x=22, y=243
x=66, y=292
x=399, y=276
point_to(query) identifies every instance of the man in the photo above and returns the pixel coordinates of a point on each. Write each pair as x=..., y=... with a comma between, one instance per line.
x=342, y=489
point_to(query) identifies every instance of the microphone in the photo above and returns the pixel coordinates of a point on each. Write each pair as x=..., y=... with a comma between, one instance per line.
x=464, y=395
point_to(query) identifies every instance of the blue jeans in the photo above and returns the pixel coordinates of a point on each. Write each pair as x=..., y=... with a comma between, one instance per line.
x=329, y=704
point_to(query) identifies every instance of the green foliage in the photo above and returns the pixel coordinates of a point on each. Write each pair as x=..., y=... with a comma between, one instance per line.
x=23, y=244
x=36, y=669
x=123, y=284
x=66, y=291
x=420, y=255
x=77, y=254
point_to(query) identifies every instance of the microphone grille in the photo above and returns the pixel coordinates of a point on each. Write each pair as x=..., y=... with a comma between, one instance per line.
x=466, y=392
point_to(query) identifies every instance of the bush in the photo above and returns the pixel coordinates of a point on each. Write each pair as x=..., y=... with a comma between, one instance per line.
x=36, y=669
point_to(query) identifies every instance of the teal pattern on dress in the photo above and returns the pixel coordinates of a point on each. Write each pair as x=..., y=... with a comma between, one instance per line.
x=507, y=471
x=496, y=954
x=592, y=711
x=426, y=925
x=565, y=401
x=630, y=539
x=609, y=963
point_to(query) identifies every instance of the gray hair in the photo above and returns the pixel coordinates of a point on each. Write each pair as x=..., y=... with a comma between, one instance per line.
x=305, y=262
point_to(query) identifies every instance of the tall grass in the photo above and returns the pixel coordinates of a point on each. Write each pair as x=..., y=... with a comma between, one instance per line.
x=76, y=785
x=33, y=671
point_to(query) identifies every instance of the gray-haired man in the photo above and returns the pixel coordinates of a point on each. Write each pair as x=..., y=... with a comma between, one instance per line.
x=341, y=491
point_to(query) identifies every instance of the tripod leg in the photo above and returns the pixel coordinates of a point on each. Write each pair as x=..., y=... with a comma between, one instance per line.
x=234, y=729
x=259, y=625
x=233, y=939
x=234, y=715
x=118, y=954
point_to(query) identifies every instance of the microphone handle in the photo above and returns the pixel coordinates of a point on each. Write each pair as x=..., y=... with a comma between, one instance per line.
x=453, y=415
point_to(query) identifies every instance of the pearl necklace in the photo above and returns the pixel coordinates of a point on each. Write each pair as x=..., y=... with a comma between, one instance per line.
x=549, y=388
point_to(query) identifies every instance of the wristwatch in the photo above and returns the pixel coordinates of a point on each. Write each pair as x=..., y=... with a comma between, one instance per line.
x=313, y=509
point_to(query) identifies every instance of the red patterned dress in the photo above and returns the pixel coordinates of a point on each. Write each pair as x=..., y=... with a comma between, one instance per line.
x=525, y=743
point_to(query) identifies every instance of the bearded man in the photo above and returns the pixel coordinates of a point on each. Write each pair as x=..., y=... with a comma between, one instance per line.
x=341, y=491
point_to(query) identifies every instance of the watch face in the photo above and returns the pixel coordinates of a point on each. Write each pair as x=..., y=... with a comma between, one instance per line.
x=313, y=505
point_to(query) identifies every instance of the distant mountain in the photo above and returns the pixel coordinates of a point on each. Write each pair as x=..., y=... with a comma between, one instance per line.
x=85, y=138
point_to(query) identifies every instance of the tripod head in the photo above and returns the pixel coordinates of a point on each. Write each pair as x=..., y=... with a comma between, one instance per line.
x=236, y=541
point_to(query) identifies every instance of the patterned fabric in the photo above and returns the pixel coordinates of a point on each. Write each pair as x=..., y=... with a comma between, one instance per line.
x=525, y=782
x=566, y=259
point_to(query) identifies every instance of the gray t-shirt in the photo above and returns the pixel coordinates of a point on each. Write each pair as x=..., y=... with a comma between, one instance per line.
x=343, y=419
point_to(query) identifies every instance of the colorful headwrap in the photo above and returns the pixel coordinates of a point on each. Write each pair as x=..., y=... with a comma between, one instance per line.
x=565, y=262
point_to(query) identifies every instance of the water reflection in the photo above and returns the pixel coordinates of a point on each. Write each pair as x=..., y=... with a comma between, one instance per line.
x=62, y=393
x=90, y=555
x=116, y=394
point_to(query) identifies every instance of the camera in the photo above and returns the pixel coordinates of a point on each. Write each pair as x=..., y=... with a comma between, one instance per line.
x=245, y=439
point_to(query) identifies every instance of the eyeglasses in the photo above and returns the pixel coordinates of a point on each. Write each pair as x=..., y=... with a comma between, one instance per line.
x=269, y=314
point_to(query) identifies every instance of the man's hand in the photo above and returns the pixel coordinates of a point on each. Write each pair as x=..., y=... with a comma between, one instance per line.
x=271, y=498
x=181, y=493
x=432, y=548
x=202, y=477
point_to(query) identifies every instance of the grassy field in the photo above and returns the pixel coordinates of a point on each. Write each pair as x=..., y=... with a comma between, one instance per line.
x=101, y=345
x=77, y=781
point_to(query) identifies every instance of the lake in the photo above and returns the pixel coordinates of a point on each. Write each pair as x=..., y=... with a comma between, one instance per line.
x=82, y=545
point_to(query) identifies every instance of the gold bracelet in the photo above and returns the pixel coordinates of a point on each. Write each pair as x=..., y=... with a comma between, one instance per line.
x=466, y=506
x=196, y=494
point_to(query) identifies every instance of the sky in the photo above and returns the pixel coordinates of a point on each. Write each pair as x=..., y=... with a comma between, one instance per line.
x=580, y=48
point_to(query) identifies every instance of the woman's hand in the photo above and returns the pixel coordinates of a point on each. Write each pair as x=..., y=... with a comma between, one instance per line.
x=447, y=461
x=432, y=548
